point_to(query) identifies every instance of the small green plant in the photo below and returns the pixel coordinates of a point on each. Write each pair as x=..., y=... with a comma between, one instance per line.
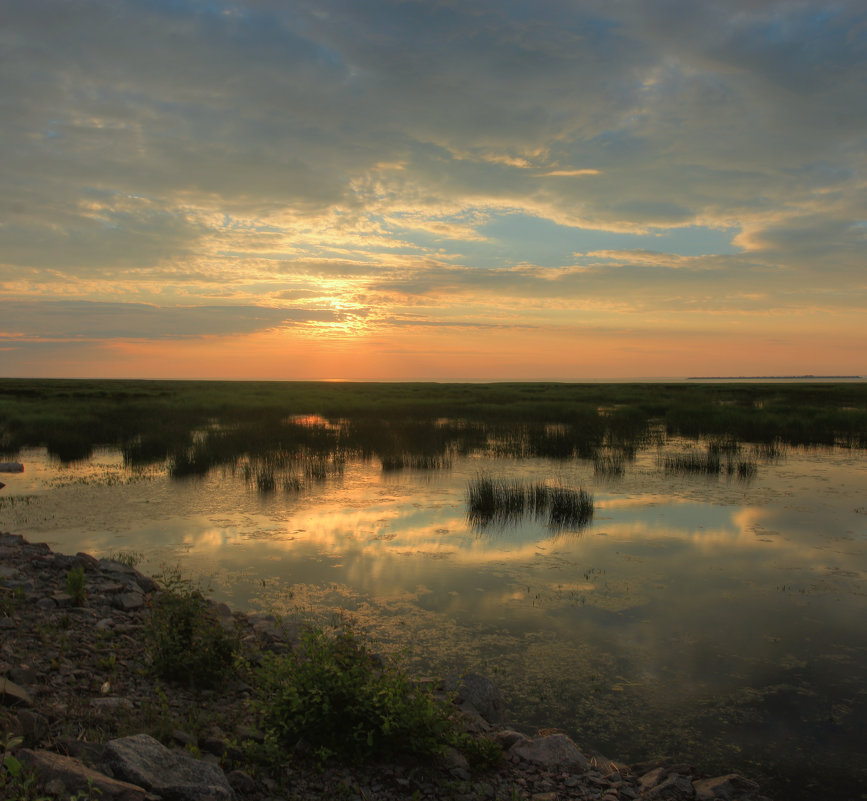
x=15, y=780
x=7, y=601
x=188, y=645
x=128, y=558
x=76, y=585
x=342, y=702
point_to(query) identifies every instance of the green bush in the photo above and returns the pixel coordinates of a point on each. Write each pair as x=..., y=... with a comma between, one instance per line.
x=188, y=645
x=338, y=700
x=76, y=585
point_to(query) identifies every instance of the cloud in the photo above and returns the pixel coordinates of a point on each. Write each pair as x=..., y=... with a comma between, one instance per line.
x=81, y=320
x=174, y=155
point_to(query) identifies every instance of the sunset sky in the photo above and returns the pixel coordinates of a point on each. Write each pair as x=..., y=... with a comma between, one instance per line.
x=364, y=189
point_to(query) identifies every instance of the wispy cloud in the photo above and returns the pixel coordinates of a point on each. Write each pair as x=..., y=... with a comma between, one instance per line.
x=189, y=169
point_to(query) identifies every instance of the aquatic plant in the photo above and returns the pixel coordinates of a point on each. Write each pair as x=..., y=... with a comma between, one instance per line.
x=708, y=463
x=499, y=500
x=402, y=461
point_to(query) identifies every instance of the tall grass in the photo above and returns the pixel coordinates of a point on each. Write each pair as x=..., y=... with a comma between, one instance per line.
x=416, y=425
x=499, y=501
x=717, y=458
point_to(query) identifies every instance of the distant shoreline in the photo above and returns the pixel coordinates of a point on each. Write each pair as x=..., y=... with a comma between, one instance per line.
x=772, y=377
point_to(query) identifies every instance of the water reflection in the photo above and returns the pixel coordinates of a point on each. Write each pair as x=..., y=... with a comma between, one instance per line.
x=702, y=617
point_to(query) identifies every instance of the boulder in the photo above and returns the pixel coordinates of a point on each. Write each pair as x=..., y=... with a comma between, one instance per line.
x=172, y=775
x=675, y=787
x=76, y=777
x=732, y=787
x=554, y=750
x=12, y=694
x=481, y=693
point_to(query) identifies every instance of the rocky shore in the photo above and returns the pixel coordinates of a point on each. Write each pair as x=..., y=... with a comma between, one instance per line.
x=83, y=717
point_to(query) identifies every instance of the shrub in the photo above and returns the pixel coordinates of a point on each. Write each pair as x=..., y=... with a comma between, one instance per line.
x=339, y=700
x=188, y=645
x=76, y=585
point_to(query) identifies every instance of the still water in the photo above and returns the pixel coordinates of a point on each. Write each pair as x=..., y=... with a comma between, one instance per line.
x=713, y=619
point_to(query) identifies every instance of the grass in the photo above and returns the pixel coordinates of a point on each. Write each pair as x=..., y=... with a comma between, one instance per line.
x=499, y=501
x=720, y=456
x=195, y=427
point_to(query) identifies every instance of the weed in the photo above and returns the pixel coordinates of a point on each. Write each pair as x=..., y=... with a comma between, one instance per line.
x=76, y=585
x=188, y=645
x=7, y=601
x=15, y=780
x=128, y=558
x=337, y=700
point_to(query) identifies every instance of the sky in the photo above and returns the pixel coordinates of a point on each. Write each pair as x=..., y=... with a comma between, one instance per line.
x=422, y=190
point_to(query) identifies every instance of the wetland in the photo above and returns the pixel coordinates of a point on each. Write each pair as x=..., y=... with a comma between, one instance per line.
x=659, y=570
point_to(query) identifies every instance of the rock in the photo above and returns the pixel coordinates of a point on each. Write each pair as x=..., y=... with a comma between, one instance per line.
x=172, y=775
x=457, y=765
x=11, y=467
x=481, y=692
x=506, y=738
x=241, y=782
x=675, y=787
x=33, y=726
x=111, y=703
x=75, y=777
x=12, y=694
x=732, y=787
x=129, y=601
x=651, y=778
x=551, y=751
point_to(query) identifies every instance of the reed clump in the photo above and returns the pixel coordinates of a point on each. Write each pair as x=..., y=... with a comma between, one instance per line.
x=715, y=460
x=498, y=501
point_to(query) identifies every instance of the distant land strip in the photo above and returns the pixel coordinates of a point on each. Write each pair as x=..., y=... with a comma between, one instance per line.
x=771, y=377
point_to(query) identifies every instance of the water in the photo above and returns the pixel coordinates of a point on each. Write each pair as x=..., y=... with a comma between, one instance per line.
x=712, y=619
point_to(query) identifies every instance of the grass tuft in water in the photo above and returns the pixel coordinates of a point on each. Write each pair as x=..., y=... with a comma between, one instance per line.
x=498, y=501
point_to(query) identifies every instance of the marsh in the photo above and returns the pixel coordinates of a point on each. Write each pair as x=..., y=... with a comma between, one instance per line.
x=709, y=609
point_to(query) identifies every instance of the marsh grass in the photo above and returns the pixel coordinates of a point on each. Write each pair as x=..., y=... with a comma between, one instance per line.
x=500, y=501
x=195, y=427
x=694, y=462
x=412, y=461
x=718, y=458
x=292, y=472
x=611, y=463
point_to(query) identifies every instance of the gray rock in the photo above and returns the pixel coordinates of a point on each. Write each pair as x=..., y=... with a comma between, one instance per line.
x=241, y=782
x=676, y=787
x=481, y=692
x=129, y=601
x=13, y=694
x=651, y=778
x=172, y=775
x=75, y=777
x=551, y=751
x=506, y=738
x=457, y=764
x=33, y=726
x=112, y=703
x=732, y=787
